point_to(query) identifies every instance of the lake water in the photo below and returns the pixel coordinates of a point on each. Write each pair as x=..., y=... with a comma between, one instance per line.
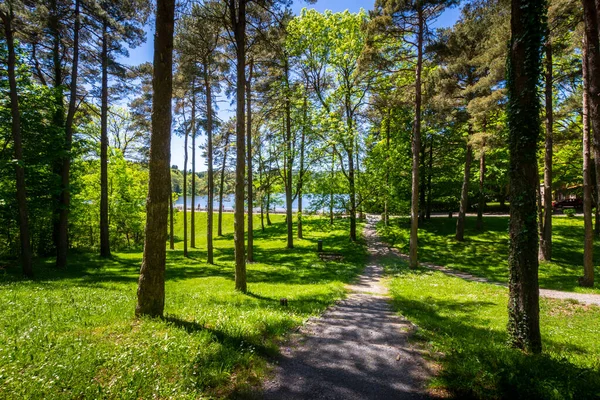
x=277, y=203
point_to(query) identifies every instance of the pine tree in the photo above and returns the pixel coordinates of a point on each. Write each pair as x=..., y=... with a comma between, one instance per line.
x=412, y=17
x=8, y=16
x=151, y=287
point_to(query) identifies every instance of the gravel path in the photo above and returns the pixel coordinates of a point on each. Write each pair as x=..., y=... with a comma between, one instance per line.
x=358, y=349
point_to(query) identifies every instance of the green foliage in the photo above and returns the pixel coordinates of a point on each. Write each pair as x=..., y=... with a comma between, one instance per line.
x=73, y=333
x=41, y=144
x=128, y=187
x=569, y=212
x=328, y=48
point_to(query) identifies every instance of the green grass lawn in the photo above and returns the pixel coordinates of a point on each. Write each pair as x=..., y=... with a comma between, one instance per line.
x=485, y=253
x=72, y=334
x=463, y=325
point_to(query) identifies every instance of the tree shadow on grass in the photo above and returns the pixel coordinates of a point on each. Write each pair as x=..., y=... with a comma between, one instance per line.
x=276, y=264
x=485, y=254
x=240, y=341
x=232, y=351
x=478, y=363
x=90, y=270
x=226, y=354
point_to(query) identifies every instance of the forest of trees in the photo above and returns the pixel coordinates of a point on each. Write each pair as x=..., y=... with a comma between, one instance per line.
x=371, y=112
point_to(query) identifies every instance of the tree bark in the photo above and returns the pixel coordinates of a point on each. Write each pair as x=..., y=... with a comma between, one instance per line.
x=590, y=17
x=185, y=163
x=269, y=186
x=429, y=177
x=250, y=249
x=221, y=185
x=58, y=119
x=262, y=214
x=269, y=223
x=104, y=223
x=331, y=188
x=545, y=251
x=151, y=288
x=209, y=151
x=288, y=161
x=350, y=150
x=193, y=206
x=23, y=217
x=422, y=188
x=386, y=212
x=588, y=242
x=62, y=244
x=352, y=184
x=416, y=147
x=597, y=216
x=464, y=195
x=262, y=188
x=481, y=205
x=238, y=22
x=171, y=222
x=301, y=172
x=359, y=207
x=524, y=69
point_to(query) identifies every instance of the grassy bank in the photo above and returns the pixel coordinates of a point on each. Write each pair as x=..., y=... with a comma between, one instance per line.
x=463, y=325
x=485, y=253
x=72, y=334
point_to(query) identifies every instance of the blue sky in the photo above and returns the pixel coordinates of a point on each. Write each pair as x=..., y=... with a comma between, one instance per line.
x=144, y=53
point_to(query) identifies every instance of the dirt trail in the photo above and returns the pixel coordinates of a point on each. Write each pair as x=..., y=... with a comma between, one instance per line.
x=358, y=349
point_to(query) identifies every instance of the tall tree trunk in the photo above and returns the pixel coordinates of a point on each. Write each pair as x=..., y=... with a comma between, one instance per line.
x=211, y=180
x=104, y=223
x=481, y=188
x=359, y=208
x=151, y=288
x=416, y=147
x=193, y=194
x=262, y=186
x=422, y=188
x=386, y=212
x=288, y=161
x=524, y=69
x=464, y=194
x=301, y=171
x=238, y=22
x=590, y=17
x=597, y=215
x=58, y=118
x=171, y=222
x=262, y=213
x=352, y=184
x=269, y=186
x=269, y=223
x=350, y=149
x=193, y=206
x=588, y=242
x=250, y=249
x=545, y=251
x=62, y=245
x=540, y=207
x=332, y=178
x=222, y=186
x=26, y=256
x=429, y=177
x=185, y=163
